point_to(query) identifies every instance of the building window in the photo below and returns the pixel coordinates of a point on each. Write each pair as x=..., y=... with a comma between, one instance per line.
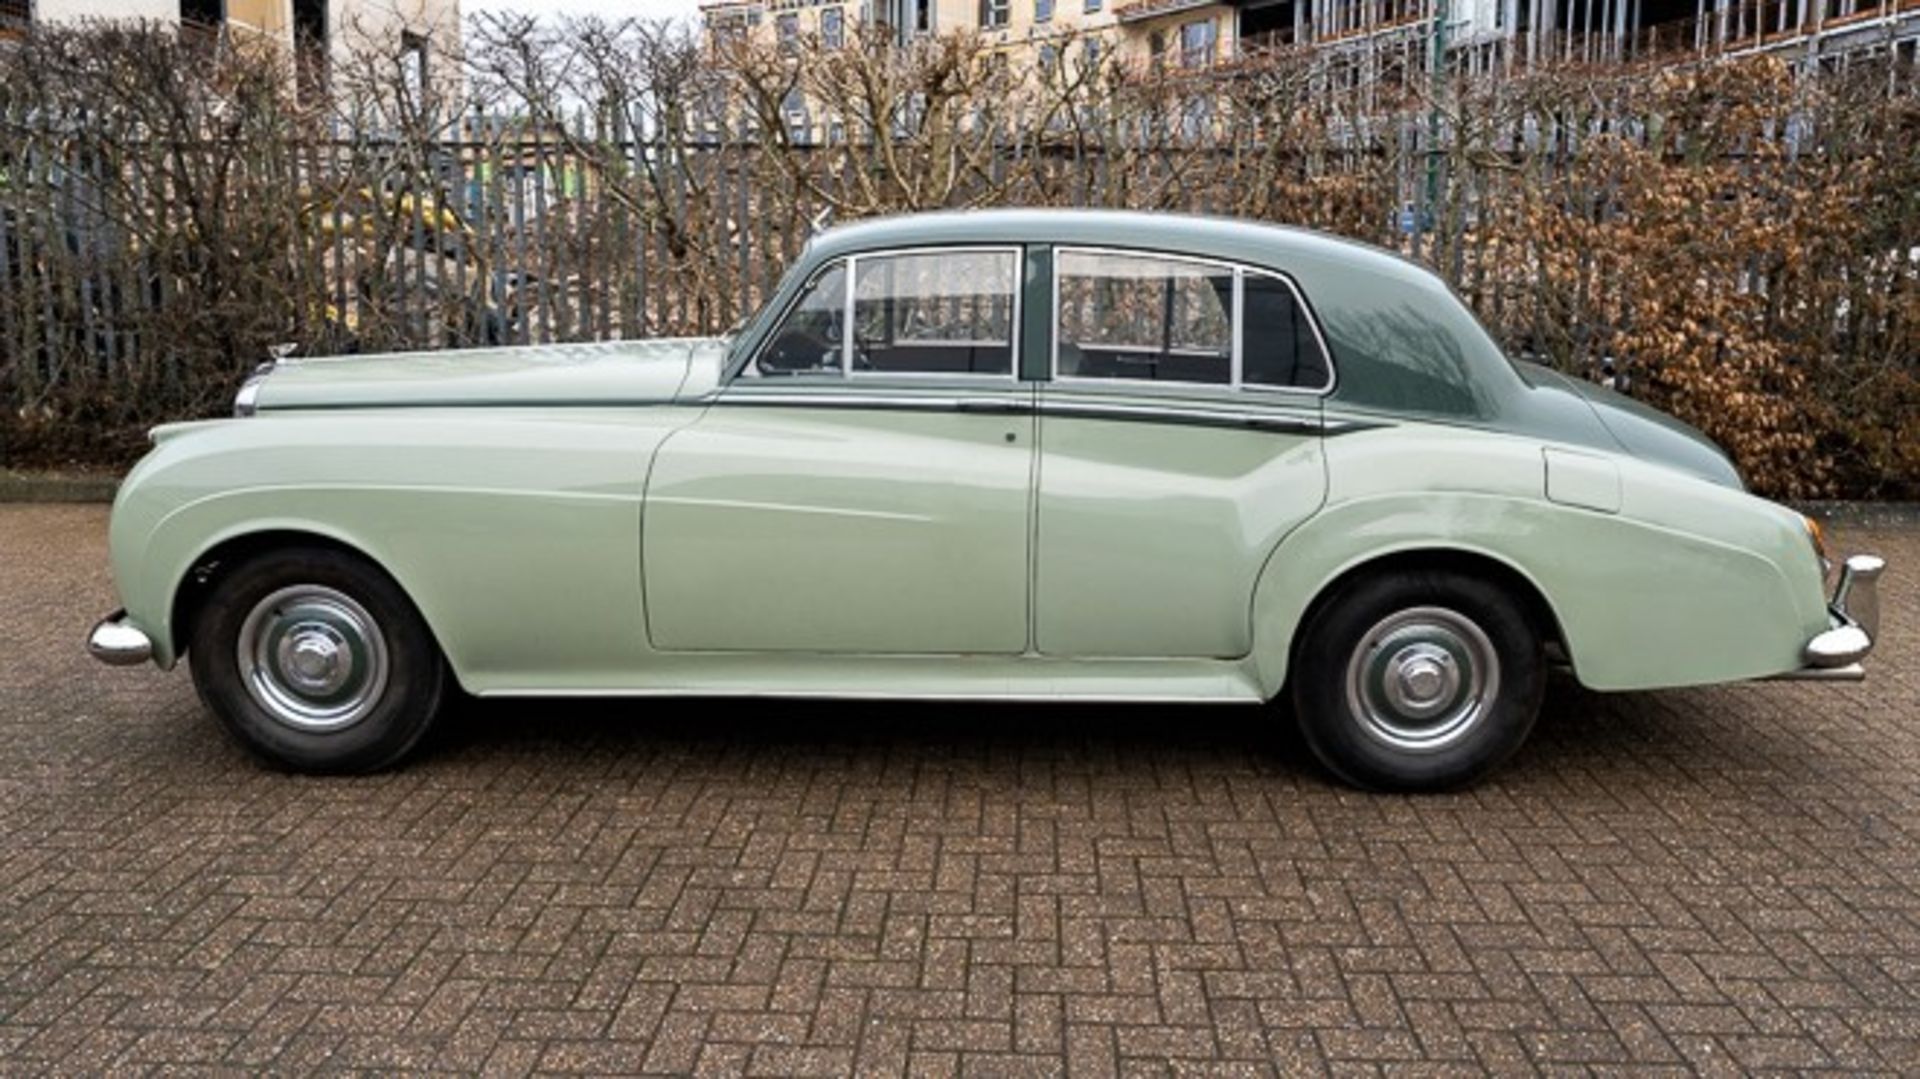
x=1090, y=54
x=1157, y=47
x=787, y=31
x=1042, y=10
x=1049, y=61
x=1092, y=6
x=202, y=12
x=793, y=113
x=994, y=14
x=833, y=27
x=1196, y=43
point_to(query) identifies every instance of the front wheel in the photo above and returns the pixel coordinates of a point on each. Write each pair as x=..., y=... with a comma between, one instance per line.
x=316, y=661
x=1417, y=681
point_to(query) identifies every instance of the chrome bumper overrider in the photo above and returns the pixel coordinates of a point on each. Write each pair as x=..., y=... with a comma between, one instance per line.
x=1854, y=611
x=117, y=643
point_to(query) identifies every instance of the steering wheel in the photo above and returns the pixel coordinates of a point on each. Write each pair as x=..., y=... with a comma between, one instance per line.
x=793, y=352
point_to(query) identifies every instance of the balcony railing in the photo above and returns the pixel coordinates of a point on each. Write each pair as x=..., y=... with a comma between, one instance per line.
x=1136, y=10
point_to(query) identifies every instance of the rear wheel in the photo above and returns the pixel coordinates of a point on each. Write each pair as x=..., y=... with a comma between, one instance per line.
x=316, y=661
x=1417, y=680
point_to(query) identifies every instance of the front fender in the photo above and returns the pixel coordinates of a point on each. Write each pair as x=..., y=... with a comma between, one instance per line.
x=516, y=536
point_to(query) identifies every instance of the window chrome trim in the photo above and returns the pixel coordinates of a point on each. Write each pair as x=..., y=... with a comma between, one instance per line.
x=1319, y=338
x=773, y=329
x=1236, y=361
x=850, y=262
x=1237, y=329
x=1012, y=343
x=1022, y=402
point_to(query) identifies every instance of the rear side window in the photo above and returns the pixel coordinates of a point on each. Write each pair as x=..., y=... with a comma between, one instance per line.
x=1161, y=318
x=1278, y=346
x=1145, y=318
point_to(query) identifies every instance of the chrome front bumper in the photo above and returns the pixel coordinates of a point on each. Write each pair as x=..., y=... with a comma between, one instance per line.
x=1854, y=611
x=117, y=643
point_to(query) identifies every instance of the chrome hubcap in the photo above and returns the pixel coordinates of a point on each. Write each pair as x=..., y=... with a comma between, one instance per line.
x=1422, y=678
x=313, y=658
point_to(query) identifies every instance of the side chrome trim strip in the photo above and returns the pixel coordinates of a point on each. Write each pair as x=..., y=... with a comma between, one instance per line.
x=916, y=402
x=1125, y=412
x=1203, y=416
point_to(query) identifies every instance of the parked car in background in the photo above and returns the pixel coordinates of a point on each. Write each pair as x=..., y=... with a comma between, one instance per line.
x=1005, y=455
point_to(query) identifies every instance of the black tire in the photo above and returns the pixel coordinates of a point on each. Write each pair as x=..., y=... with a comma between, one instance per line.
x=324, y=603
x=1384, y=680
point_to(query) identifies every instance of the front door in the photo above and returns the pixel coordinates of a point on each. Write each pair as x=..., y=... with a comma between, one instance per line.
x=863, y=485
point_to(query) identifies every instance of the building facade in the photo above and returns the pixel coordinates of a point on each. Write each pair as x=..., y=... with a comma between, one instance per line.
x=319, y=34
x=1197, y=34
x=1480, y=34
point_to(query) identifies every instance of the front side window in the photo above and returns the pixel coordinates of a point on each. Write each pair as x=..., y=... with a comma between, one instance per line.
x=936, y=312
x=1151, y=318
x=950, y=312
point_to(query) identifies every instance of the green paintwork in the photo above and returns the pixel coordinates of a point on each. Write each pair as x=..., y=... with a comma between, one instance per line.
x=626, y=518
x=1151, y=535
x=1689, y=583
x=841, y=530
x=618, y=372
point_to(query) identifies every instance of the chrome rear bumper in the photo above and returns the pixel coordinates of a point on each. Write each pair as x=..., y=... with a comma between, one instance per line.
x=1854, y=612
x=118, y=643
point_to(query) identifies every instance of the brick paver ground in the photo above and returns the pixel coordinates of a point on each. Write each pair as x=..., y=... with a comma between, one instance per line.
x=1709, y=879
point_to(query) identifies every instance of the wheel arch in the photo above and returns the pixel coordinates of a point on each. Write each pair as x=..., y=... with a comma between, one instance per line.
x=1470, y=561
x=1284, y=604
x=201, y=573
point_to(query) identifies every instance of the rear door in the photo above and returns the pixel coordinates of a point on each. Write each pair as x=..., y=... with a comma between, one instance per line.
x=864, y=485
x=1180, y=441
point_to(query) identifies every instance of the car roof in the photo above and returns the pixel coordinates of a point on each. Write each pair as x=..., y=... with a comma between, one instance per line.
x=1235, y=239
x=1401, y=341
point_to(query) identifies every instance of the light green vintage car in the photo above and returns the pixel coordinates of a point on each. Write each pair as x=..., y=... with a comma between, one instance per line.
x=1007, y=455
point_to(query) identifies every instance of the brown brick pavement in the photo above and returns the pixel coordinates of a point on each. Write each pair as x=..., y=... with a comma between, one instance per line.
x=1710, y=879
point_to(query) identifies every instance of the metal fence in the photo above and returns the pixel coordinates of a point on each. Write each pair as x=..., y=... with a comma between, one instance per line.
x=1728, y=241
